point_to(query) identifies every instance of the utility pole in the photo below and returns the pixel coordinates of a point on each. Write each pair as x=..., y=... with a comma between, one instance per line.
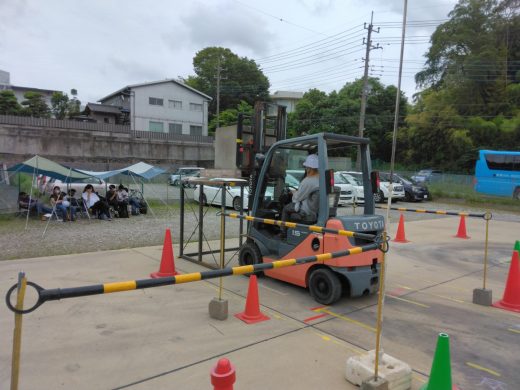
x=364, y=92
x=219, y=77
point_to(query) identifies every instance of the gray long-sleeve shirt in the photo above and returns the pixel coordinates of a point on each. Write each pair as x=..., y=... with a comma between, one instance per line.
x=301, y=197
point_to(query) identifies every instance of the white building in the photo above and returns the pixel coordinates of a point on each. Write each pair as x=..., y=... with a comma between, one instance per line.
x=5, y=84
x=167, y=106
x=287, y=99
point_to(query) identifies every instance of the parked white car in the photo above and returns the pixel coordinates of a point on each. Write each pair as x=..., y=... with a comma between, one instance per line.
x=359, y=190
x=212, y=194
x=384, y=188
x=346, y=195
x=184, y=173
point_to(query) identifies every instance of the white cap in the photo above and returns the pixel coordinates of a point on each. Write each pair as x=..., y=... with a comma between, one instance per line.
x=311, y=161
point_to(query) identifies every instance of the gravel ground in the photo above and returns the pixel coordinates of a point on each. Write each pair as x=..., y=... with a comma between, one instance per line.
x=94, y=235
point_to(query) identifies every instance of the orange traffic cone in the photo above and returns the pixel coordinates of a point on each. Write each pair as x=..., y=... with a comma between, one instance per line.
x=400, y=236
x=252, y=313
x=511, y=299
x=461, y=233
x=167, y=267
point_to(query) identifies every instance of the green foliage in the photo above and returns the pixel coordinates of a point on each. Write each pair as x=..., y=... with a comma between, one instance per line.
x=8, y=104
x=230, y=116
x=60, y=105
x=242, y=80
x=338, y=112
x=73, y=108
x=35, y=106
x=472, y=94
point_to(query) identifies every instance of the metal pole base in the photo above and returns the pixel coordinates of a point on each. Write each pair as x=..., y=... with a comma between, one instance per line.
x=482, y=296
x=375, y=384
x=218, y=309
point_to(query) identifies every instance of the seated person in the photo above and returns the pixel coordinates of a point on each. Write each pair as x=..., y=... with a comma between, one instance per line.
x=94, y=202
x=135, y=202
x=25, y=201
x=301, y=199
x=60, y=202
x=122, y=201
x=71, y=195
x=112, y=196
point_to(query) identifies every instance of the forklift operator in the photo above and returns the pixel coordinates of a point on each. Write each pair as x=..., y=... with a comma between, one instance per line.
x=301, y=204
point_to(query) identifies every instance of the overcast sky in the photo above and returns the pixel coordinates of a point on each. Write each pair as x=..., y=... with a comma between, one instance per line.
x=100, y=46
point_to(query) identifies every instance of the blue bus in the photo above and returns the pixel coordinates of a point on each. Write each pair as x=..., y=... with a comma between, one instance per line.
x=498, y=173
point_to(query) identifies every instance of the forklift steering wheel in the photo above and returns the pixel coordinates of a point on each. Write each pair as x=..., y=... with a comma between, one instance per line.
x=285, y=197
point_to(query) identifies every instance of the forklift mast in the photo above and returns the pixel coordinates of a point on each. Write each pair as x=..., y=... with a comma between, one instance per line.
x=255, y=135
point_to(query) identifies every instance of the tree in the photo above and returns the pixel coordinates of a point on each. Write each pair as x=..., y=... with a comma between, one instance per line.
x=475, y=55
x=230, y=116
x=60, y=105
x=241, y=80
x=9, y=104
x=74, y=104
x=35, y=105
x=339, y=112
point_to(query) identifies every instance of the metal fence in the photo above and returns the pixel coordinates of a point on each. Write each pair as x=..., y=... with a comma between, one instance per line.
x=101, y=127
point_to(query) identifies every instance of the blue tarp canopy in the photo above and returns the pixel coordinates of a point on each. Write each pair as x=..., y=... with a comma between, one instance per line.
x=42, y=166
x=140, y=169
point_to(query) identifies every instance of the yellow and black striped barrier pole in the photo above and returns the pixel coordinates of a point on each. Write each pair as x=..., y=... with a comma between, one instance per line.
x=440, y=212
x=45, y=295
x=312, y=228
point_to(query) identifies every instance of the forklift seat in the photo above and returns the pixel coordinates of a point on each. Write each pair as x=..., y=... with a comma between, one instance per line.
x=314, y=205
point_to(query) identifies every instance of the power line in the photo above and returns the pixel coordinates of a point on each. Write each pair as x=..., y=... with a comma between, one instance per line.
x=310, y=45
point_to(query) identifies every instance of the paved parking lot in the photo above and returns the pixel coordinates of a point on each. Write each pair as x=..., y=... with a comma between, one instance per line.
x=163, y=337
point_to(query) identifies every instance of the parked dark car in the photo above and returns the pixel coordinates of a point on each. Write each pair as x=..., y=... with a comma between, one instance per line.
x=427, y=176
x=413, y=191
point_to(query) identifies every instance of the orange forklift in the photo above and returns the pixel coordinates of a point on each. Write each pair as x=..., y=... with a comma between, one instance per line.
x=270, y=190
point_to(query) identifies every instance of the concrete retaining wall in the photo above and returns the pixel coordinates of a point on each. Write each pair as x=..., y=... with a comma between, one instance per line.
x=98, y=150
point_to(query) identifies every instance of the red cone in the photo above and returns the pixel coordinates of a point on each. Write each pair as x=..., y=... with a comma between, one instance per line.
x=461, y=233
x=400, y=236
x=511, y=299
x=252, y=313
x=223, y=375
x=167, y=267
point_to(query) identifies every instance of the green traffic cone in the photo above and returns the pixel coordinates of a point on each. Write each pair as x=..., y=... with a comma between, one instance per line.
x=517, y=246
x=440, y=374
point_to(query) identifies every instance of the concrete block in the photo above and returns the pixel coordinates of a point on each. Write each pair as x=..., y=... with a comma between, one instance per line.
x=375, y=384
x=482, y=296
x=218, y=309
x=360, y=369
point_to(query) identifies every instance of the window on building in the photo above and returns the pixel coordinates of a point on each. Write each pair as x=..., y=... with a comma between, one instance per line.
x=175, y=104
x=106, y=120
x=195, y=107
x=157, y=127
x=195, y=130
x=175, y=128
x=155, y=101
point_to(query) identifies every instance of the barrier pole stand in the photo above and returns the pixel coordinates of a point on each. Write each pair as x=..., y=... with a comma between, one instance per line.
x=487, y=217
x=17, y=334
x=380, y=297
x=483, y=296
x=222, y=237
x=218, y=307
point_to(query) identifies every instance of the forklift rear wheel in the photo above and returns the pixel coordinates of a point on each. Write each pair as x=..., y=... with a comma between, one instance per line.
x=250, y=255
x=324, y=286
x=236, y=203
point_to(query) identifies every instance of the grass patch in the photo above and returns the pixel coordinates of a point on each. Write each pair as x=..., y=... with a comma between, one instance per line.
x=464, y=194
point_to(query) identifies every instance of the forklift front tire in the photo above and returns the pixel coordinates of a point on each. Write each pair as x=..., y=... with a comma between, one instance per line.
x=250, y=255
x=324, y=286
